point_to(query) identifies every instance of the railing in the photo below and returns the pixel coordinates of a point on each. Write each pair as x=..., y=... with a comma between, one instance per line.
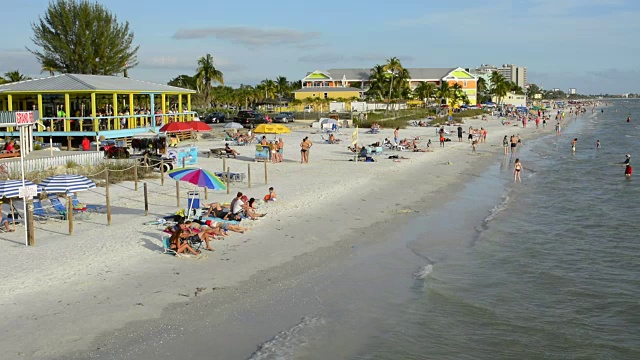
x=105, y=123
x=12, y=168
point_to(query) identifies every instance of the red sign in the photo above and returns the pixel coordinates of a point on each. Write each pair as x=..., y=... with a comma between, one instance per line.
x=24, y=118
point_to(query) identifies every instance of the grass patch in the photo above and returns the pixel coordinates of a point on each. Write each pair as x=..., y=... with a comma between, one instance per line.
x=388, y=121
x=457, y=117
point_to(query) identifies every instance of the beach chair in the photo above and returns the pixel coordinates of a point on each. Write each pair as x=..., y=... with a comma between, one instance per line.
x=193, y=203
x=42, y=215
x=60, y=207
x=166, y=245
x=77, y=205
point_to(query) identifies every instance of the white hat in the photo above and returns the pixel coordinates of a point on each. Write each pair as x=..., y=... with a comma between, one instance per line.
x=628, y=155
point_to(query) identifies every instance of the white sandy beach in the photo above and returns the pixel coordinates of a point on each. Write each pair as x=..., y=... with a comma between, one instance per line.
x=60, y=295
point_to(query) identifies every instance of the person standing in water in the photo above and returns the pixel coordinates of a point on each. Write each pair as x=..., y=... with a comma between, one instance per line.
x=505, y=145
x=573, y=144
x=517, y=170
x=597, y=144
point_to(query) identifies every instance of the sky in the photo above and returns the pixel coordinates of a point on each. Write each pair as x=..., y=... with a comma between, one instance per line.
x=590, y=45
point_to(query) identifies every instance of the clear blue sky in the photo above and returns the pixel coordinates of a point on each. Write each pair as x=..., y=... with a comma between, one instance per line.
x=588, y=44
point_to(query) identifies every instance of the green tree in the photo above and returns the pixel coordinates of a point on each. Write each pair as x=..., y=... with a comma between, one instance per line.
x=378, y=78
x=184, y=81
x=206, y=73
x=393, y=67
x=82, y=37
x=533, y=90
x=14, y=76
x=444, y=92
x=269, y=88
x=425, y=91
x=283, y=87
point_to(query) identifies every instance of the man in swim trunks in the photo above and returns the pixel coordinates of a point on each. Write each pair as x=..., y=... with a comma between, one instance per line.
x=514, y=143
x=628, y=170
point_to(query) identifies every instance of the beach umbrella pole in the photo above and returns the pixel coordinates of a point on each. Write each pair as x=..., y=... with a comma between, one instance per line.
x=70, y=213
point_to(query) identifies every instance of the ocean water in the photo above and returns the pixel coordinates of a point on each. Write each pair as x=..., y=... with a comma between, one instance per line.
x=547, y=268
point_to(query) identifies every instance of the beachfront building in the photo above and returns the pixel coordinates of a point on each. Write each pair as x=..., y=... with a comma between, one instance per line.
x=511, y=99
x=514, y=73
x=73, y=105
x=342, y=83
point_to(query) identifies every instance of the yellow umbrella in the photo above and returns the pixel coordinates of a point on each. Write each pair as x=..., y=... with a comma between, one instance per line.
x=271, y=129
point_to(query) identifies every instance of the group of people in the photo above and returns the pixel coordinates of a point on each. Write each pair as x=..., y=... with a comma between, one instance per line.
x=215, y=224
x=276, y=148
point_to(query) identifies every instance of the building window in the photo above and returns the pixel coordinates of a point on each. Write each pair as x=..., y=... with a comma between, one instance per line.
x=326, y=95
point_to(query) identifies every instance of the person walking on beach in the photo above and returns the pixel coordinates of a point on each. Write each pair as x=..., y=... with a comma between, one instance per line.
x=505, y=145
x=305, y=146
x=396, y=135
x=459, y=133
x=442, y=137
x=517, y=170
x=514, y=143
x=573, y=144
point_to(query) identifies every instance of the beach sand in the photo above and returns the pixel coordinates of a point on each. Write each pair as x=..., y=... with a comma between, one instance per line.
x=63, y=295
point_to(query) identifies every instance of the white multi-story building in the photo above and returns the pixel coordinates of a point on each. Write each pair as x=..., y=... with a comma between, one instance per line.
x=573, y=91
x=517, y=74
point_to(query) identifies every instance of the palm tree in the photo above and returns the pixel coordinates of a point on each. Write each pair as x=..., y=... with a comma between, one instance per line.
x=269, y=87
x=283, y=86
x=49, y=69
x=14, y=76
x=425, y=91
x=378, y=78
x=207, y=73
x=393, y=66
x=444, y=92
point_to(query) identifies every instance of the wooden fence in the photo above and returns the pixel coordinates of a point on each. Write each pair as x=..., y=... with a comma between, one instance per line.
x=40, y=164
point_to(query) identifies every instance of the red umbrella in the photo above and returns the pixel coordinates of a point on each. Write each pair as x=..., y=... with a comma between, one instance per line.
x=199, y=126
x=175, y=127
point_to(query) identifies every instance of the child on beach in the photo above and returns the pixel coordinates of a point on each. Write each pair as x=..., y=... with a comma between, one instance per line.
x=517, y=169
x=573, y=144
x=271, y=196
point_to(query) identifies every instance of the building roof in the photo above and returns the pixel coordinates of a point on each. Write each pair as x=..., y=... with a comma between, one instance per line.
x=363, y=74
x=89, y=83
x=328, y=89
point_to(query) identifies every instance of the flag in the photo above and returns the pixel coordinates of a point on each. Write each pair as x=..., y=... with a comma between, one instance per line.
x=354, y=137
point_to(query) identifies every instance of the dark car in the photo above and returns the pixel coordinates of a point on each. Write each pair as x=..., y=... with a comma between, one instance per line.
x=250, y=118
x=284, y=117
x=215, y=117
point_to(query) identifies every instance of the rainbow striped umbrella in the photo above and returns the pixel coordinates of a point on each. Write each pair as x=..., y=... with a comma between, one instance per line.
x=198, y=177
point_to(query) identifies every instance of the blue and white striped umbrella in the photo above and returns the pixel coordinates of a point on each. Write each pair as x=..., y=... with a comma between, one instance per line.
x=11, y=188
x=66, y=184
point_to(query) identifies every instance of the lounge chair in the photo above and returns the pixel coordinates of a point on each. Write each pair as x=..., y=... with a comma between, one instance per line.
x=77, y=205
x=61, y=208
x=42, y=215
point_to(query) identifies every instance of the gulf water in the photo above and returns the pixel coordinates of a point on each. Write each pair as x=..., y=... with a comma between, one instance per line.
x=546, y=268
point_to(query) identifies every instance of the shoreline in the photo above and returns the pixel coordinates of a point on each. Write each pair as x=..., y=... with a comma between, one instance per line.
x=261, y=250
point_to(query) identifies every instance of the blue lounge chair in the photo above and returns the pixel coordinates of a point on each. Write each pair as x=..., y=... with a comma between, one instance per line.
x=60, y=207
x=77, y=205
x=42, y=214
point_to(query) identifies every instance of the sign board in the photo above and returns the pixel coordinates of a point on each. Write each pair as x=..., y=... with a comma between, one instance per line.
x=13, y=118
x=28, y=191
x=24, y=118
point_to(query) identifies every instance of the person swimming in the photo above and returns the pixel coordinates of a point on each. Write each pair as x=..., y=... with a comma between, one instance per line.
x=628, y=170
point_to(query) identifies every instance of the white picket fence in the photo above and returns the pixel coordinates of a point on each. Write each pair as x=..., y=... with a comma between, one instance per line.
x=39, y=164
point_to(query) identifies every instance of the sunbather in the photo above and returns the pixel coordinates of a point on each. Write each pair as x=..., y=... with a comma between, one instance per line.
x=5, y=223
x=225, y=226
x=216, y=210
x=229, y=150
x=249, y=211
x=179, y=244
x=192, y=234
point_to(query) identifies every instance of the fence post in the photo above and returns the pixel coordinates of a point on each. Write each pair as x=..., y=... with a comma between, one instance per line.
x=70, y=214
x=228, y=182
x=266, y=174
x=30, y=228
x=177, y=193
x=108, y=196
x=135, y=175
x=224, y=165
x=161, y=172
x=249, y=175
x=146, y=200
x=184, y=162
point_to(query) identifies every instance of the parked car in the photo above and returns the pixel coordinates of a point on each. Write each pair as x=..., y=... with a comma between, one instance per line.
x=215, y=117
x=250, y=118
x=308, y=109
x=284, y=117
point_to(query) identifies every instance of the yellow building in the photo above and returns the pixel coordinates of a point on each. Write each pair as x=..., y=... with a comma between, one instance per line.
x=328, y=92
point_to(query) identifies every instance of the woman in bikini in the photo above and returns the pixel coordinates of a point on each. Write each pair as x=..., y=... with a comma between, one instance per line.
x=305, y=145
x=179, y=244
x=517, y=170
